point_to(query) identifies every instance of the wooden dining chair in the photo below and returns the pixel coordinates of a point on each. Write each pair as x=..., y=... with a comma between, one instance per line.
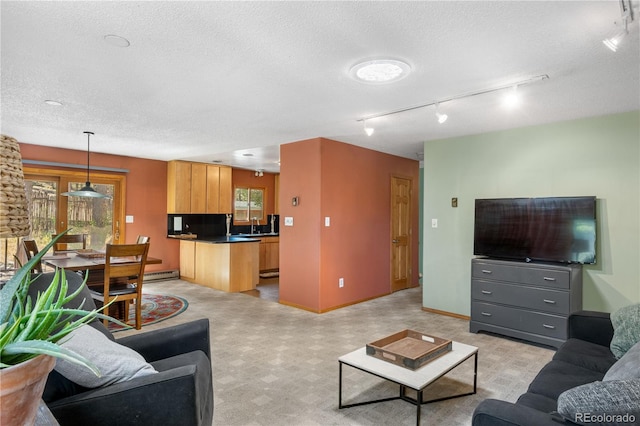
x=123, y=276
x=61, y=244
x=31, y=249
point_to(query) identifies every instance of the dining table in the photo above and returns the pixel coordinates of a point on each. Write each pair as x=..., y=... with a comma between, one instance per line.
x=91, y=266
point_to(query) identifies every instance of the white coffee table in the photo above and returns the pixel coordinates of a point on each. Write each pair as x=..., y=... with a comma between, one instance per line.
x=416, y=380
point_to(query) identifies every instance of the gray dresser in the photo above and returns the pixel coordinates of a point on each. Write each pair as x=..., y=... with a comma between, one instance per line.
x=529, y=301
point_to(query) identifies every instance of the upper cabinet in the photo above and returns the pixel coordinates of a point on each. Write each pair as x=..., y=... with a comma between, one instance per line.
x=198, y=188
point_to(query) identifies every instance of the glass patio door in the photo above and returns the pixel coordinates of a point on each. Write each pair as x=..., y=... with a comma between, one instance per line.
x=51, y=213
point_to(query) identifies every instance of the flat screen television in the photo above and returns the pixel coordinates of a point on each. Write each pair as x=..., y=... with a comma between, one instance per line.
x=554, y=229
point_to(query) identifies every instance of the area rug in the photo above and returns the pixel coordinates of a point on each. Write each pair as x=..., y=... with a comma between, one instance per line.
x=269, y=274
x=155, y=308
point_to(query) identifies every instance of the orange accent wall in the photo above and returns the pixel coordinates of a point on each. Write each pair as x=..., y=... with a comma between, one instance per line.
x=248, y=178
x=146, y=196
x=352, y=186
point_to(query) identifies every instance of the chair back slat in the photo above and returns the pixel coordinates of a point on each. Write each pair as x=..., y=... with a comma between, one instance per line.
x=31, y=249
x=70, y=239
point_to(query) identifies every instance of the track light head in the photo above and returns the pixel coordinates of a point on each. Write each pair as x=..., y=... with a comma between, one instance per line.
x=368, y=130
x=512, y=98
x=441, y=117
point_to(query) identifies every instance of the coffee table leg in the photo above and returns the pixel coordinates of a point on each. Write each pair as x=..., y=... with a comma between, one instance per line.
x=419, y=407
x=340, y=386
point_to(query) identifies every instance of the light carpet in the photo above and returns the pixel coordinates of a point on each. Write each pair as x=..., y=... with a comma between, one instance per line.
x=277, y=365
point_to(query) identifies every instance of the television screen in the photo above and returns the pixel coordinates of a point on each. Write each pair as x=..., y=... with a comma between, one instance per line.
x=558, y=229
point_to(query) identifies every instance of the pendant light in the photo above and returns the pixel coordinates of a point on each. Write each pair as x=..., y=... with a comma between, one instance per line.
x=87, y=190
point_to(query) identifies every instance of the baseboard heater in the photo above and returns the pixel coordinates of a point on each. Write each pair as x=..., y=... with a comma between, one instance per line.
x=162, y=275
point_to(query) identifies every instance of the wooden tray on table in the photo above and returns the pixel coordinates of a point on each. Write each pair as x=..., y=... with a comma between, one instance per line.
x=409, y=348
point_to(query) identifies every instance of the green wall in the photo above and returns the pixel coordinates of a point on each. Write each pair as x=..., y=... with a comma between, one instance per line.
x=595, y=156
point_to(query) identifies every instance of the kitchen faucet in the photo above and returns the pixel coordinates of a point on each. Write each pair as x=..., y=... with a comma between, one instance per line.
x=256, y=220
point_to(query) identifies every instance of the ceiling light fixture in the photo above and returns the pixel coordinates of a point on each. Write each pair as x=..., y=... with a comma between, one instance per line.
x=528, y=81
x=512, y=98
x=87, y=190
x=368, y=130
x=52, y=102
x=379, y=71
x=441, y=117
x=626, y=12
x=116, y=40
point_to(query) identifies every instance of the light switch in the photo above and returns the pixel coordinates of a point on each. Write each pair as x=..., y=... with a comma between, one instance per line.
x=327, y=221
x=288, y=221
x=128, y=219
x=434, y=223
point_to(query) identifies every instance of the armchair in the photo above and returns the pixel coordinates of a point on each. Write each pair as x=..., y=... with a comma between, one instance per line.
x=181, y=393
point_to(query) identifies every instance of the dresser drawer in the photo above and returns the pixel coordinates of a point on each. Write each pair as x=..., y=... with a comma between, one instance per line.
x=520, y=319
x=538, y=299
x=531, y=275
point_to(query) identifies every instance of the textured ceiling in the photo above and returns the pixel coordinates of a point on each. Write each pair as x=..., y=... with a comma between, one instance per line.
x=208, y=81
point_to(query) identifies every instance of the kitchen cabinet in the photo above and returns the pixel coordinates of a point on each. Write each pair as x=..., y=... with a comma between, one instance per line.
x=198, y=188
x=188, y=259
x=228, y=267
x=269, y=253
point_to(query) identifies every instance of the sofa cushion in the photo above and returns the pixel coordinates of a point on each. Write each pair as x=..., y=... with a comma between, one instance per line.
x=627, y=367
x=611, y=402
x=115, y=362
x=626, y=329
x=558, y=376
x=538, y=402
x=586, y=354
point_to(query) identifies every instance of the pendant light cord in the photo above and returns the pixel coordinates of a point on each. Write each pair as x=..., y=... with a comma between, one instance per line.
x=88, y=150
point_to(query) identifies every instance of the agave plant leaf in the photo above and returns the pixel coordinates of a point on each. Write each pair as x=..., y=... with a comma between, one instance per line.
x=15, y=286
x=19, y=349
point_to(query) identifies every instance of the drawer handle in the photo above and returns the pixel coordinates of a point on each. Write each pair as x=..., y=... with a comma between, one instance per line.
x=486, y=292
x=549, y=279
x=551, y=302
x=486, y=271
x=552, y=327
x=486, y=314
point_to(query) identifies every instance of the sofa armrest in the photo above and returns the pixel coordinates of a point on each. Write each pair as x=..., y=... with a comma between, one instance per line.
x=591, y=326
x=171, y=341
x=177, y=396
x=493, y=412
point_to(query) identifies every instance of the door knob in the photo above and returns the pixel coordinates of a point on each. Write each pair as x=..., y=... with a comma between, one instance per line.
x=394, y=241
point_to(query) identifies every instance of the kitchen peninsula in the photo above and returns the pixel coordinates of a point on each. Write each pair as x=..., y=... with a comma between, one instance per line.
x=229, y=264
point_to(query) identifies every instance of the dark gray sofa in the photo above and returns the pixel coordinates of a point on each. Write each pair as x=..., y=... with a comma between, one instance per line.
x=180, y=394
x=584, y=358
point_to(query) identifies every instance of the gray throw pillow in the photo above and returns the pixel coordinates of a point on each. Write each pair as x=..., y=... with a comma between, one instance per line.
x=614, y=402
x=116, y=363
x=626, y=329
x=627, y=367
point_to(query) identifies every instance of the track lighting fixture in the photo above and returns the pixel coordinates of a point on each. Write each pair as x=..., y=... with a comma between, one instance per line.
x=512, y=99
x=626, y=11
x=441, y=117
x=368, y=130
x=259, y=173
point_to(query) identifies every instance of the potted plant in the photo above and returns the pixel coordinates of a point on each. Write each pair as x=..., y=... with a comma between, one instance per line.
x=30, y=333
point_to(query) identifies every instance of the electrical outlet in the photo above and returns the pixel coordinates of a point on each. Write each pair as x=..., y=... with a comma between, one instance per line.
x=341, y=282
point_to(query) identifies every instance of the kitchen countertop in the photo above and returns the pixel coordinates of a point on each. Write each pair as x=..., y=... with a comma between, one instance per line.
x=241, y=238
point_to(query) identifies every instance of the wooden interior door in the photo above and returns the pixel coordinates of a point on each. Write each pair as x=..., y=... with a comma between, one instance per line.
x=400, y=233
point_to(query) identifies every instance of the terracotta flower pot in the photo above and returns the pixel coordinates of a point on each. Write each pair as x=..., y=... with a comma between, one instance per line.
x=21, y=388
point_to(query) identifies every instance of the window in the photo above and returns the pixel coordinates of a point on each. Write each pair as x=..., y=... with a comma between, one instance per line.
x=50, y=213
x=248, y=204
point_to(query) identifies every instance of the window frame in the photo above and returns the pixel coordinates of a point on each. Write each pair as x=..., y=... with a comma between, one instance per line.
x=263, y=219
x=63, y=177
